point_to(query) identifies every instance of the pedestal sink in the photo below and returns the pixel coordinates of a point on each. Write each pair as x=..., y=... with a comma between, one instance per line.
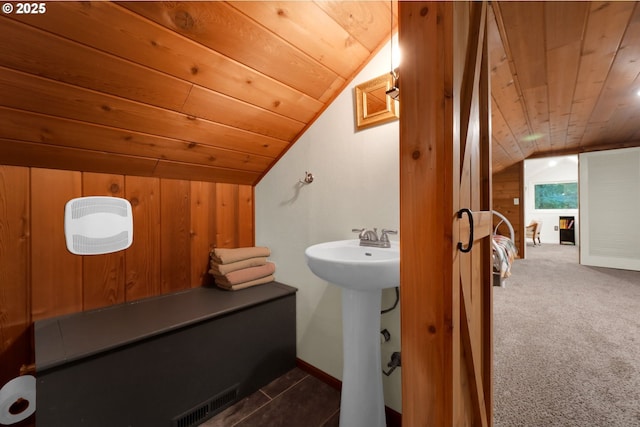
x=362, y=272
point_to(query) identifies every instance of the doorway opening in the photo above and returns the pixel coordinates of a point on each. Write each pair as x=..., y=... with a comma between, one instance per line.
x=551, y=205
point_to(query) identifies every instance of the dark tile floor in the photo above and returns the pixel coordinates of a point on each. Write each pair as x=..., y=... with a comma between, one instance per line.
x=294, y=399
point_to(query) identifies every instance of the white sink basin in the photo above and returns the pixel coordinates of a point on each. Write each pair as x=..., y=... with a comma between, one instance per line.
x=347, y=264
x=362, y=272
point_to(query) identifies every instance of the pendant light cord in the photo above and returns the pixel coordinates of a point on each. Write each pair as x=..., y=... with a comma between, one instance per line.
x=391, y=37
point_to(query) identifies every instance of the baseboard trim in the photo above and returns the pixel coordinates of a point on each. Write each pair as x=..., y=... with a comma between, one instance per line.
x=394, y=418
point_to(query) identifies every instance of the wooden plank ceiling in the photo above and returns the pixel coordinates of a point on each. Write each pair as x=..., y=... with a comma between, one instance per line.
x=217, y=91
x=565, y=78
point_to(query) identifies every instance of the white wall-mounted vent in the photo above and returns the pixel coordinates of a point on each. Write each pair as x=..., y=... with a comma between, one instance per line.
x=98, y=225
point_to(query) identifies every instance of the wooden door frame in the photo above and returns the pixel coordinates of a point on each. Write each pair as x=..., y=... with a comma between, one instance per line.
x=430, y=163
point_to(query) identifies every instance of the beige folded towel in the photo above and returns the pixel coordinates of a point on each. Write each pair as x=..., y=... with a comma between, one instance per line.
x=245, y=285
x=222, y=269
x=246, y=274
x=226, y=256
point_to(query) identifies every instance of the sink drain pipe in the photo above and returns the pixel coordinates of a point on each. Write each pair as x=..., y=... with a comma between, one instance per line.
x=395, y=304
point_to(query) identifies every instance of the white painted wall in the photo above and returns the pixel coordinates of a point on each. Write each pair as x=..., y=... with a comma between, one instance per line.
x=610, y=201
x=544, y=171
x=356, y=185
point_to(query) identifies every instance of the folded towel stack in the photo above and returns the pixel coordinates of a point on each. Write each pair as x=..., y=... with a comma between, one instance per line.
x=241, y=268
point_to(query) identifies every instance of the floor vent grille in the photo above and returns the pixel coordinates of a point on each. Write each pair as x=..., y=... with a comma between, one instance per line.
x=206, y=410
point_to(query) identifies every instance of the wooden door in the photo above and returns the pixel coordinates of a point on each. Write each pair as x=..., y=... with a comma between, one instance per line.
x=445, y=200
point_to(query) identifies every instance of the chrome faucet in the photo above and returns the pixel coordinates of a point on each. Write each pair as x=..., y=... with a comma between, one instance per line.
x=384, y=238
x=370, y=237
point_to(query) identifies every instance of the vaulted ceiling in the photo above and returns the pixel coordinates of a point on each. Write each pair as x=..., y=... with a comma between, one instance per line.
x=565, y=77
x=217, y=91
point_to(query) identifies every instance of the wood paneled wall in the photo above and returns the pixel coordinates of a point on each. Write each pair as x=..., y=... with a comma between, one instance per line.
x=508, y=185
x=176, y=222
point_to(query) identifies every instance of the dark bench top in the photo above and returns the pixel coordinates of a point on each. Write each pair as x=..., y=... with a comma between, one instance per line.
x=72, y=337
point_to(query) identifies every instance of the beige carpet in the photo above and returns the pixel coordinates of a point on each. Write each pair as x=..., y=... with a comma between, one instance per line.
x=567, y=343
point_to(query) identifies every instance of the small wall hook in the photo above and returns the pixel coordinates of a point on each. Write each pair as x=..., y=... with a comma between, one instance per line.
x=308, y=178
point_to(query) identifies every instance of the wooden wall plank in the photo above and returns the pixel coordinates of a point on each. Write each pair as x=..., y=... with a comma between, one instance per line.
x=175, y=238
x=508, y=185
x=19, y=153
x=114, y=29
x=36, y=52
x=143, y=257
x=486, y=203
x=511, y=124
x=462, y=86
x=427, y=197
x=56, y=274
x=15, y=124
x=562, y=64
x=564, y=22
x=526, y=40
x=226, y=30
x=503, y=136
x=179, y=170
x=246, y=216
x=229, y=111
x=203, y=233
x=603, y=34
x=226, y=213
x=103, y=275
x=310, y=30
x=15, y=285
x=40, y=95
x=362, y=20
x=614, y=117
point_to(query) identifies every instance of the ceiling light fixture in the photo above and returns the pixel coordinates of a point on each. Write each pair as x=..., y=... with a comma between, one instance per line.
x=531, y=137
